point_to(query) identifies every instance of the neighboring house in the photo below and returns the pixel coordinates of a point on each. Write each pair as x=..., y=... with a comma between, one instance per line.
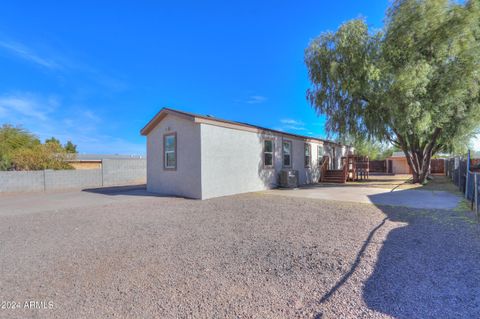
x=202, y=157
x=397, y=164
x=94, y=161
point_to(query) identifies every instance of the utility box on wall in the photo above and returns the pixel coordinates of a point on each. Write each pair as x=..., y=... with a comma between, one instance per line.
x=288, y=178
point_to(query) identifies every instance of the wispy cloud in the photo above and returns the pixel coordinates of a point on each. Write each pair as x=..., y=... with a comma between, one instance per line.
x=47, y=116
x=256, y=99
x=292, y=122
x=27, y=106
x=58, y=62
x=92, y=116
x=288, y=124
x=294, y=128
x=22, y=51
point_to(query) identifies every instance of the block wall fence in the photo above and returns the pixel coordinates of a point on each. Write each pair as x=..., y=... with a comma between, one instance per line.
x=114, y=172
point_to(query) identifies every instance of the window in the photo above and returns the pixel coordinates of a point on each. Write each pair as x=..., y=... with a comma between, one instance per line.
x=287, y=153
x=170, y=151
x=320, y=153
x=308, y=156
x=268, y=153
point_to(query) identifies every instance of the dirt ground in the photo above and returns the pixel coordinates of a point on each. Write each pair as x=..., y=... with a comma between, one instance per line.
x=403, y=181
x=125, y=254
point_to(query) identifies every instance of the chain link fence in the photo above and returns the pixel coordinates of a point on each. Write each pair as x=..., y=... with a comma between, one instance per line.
x=467, y=180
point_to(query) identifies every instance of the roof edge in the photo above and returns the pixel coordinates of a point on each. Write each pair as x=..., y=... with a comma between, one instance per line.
x=226, y=123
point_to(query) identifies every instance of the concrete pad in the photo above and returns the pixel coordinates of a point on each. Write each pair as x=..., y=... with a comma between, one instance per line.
x=422, y=199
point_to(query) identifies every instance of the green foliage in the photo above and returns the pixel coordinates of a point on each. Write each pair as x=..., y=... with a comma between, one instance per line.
x=41, y=156
x=70, y=147
x=53, y=140
x=373, y=149
x=415, y=84
x=21, y=150
x=11, y=139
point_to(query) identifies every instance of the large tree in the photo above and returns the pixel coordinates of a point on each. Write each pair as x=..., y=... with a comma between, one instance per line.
x=12, y=139
x=414, y=84
x=22, y=150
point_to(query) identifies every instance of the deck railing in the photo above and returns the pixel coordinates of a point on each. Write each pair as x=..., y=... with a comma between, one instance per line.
x=345, y=171
x=324, y=167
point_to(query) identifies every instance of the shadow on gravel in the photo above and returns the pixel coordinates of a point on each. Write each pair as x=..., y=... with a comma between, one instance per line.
x=130, y=190
x=429, y=268
x=355, y=264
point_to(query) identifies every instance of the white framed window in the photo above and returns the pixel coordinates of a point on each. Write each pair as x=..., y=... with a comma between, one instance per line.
x=268, y=147
x=320, y=153
x=287, y=153
x=308, y=154
x=170, y=151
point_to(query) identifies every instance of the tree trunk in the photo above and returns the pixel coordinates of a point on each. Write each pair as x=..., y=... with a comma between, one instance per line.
x=418, y=154
x=420, y=166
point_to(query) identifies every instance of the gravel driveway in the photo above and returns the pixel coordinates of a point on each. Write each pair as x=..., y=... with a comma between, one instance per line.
x=245, y=256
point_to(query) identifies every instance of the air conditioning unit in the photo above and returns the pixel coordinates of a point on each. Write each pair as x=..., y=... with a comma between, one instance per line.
x=289, y=178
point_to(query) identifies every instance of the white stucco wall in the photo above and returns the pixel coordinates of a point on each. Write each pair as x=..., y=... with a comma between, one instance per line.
x=306, y=175
x=186, y=179
x=232, y=161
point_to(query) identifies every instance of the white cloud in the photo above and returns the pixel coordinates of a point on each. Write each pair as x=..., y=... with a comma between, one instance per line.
x=22, y=51
x=289, y=124
x=58, y=62
x=92, y=116
x=256, y=99
x=294, y=128
x=292, y=122
x=27, y=106
x=297, y=126
x=47, y=117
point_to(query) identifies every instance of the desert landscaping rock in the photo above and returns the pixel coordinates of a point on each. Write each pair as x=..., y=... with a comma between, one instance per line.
x=245, y=256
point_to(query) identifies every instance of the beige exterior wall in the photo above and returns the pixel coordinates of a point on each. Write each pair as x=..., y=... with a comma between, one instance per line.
x=399, y=165
x=186, y=179
x=86, y=165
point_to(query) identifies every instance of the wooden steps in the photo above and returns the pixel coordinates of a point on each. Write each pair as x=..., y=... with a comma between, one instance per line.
x=334, y=176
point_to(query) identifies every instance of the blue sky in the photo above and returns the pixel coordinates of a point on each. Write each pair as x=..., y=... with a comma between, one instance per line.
x=95, y=72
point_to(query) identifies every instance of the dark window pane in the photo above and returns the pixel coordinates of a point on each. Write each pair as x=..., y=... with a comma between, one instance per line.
x=286, y=148
x=307, y=160
x=268, y=159
x=286, y=160
x=171, y=160
x=268, y=146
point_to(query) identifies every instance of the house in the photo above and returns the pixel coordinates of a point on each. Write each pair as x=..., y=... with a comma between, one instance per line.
x=94, y=161
x=397, y=164
x=201, y=157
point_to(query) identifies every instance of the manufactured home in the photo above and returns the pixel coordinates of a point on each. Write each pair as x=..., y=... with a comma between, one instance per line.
x=202, y=157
